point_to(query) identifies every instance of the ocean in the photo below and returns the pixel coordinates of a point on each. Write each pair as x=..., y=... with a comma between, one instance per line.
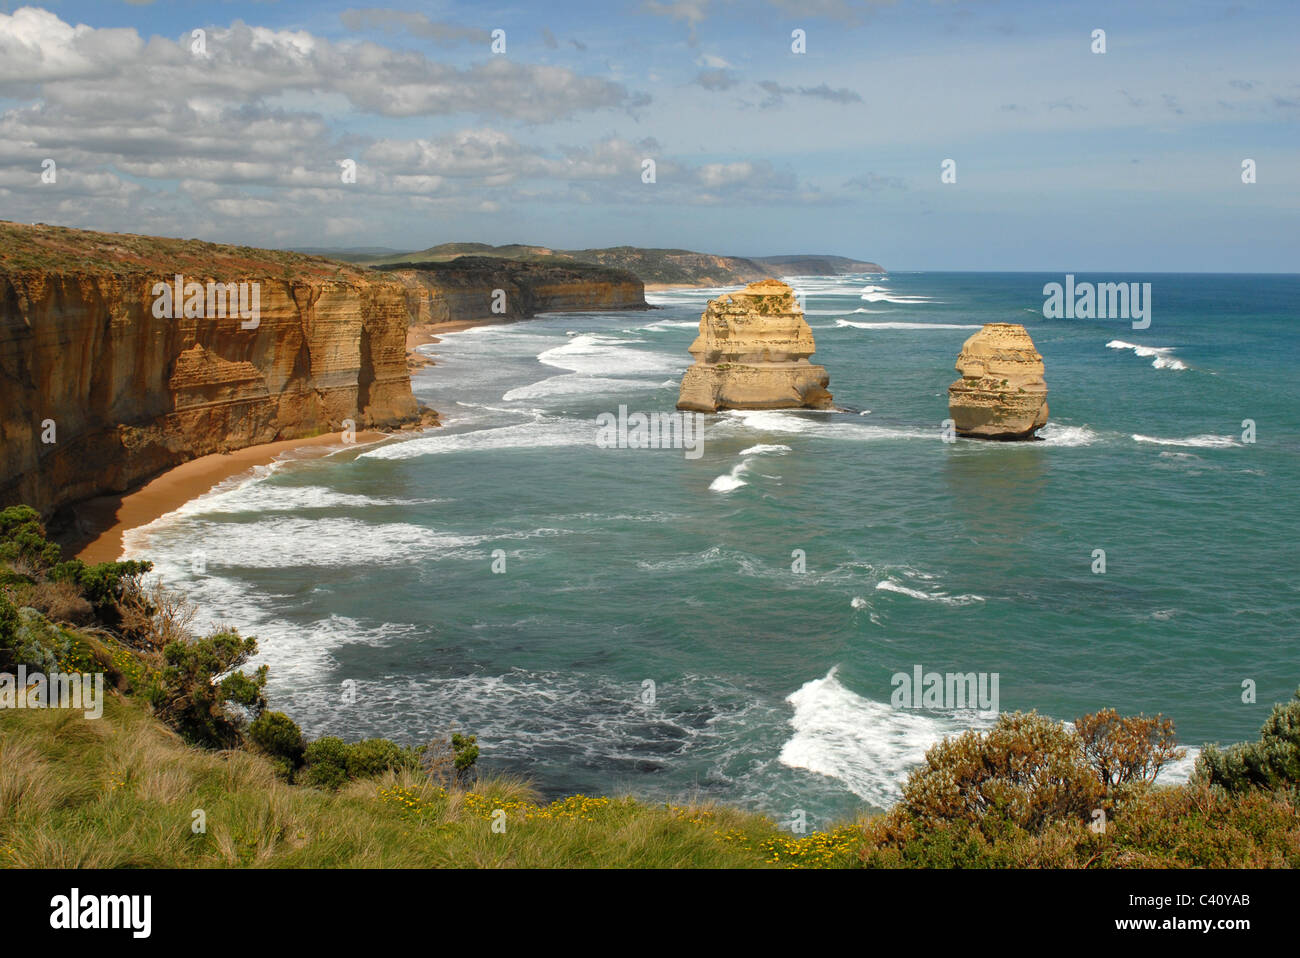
x=631, y=620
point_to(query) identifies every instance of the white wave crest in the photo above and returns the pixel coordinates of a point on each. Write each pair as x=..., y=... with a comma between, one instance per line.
x=843, y=323
x=731, y=481
x=1207, y=441
x=1159, y=355
x=1058, y=435
x=889, y=585
x=546, y=433
x=869, y=746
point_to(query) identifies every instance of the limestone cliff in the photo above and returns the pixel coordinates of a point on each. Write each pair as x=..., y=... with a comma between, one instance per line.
x=98, y=392
x=465, y=289
x=752, y=353
x=1002, y=394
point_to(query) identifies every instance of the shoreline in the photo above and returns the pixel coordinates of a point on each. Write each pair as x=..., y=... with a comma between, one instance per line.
x=99, y=524
x=102, y=522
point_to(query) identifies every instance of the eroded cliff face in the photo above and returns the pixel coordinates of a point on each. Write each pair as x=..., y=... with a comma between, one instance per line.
x=1002, y=393
x=466, y=289
x=123, y=393
x=752, y=353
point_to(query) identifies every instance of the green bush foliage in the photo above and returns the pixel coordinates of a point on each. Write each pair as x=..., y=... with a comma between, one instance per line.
x=1272, y=762
x=23, y=542
x=202, y=692
x=279, y=737
x=331, y=762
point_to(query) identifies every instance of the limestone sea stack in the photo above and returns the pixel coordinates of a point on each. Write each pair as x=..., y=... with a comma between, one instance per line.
x=752, y=353
x=1001, y=393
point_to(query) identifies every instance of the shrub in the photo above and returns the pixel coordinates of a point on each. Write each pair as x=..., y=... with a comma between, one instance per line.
x=22, y=539
x=465, y=748
x=8, y=622
x=450, y=759
x=373, y=756
x=279, y=737
x=37, y=642
x=1027, y=770
x=103, y=584
x=327, y=762
x=331, y=761
x=192, y=700
x=1126, y=749
x=59, y=602
x=1272, y=762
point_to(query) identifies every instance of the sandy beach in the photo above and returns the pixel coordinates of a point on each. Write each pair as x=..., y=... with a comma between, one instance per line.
x=105, y=519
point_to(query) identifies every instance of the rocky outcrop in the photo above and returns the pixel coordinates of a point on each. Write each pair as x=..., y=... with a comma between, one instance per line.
x=472, y=288
x=98, y=392
x=1001, y=393
x=752, y=353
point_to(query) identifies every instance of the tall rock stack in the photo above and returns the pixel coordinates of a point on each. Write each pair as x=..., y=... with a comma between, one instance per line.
x=752, y=353
x=1001, y=393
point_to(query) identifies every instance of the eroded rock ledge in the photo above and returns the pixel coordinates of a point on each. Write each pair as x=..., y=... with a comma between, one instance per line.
x=752, y=353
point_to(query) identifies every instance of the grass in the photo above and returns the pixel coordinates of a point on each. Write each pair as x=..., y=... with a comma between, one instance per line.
x=123, y=792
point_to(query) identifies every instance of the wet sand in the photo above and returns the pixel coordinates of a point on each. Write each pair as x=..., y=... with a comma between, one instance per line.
x=102, y=521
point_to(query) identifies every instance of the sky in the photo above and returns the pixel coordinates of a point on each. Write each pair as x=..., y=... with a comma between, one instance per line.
x=1063, y=158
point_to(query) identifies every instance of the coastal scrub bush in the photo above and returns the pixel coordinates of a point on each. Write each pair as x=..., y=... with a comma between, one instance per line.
x=465, y=748
x=1272, y=762
x=201, y=688
x=374, y=756
x=103, y=584
x=1126, y=749
x=153, y=616
x=331, y=762
x=450, y=760
x=280, y=738
x=1027, y=770
x=23, y=542
x=8, y=622
x=58, y=601
x=327, y=762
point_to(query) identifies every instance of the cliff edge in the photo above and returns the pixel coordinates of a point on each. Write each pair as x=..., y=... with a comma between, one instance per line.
x=123, y=355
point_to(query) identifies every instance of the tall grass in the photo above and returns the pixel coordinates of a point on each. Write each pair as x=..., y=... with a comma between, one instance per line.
x=123, y=791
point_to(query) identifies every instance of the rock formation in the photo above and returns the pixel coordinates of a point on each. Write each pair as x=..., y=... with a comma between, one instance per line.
x=98, y=392
x=752, y=353
x=1001, y=394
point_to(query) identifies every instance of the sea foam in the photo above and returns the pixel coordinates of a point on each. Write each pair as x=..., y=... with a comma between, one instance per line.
x=1159, y=355
x=867, y=745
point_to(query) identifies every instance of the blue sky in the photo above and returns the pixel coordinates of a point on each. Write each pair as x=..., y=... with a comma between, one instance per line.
x=1066, y=159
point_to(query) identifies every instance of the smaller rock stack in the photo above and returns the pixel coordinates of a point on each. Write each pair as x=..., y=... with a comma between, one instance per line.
x=752, y=353
x=1001, y=393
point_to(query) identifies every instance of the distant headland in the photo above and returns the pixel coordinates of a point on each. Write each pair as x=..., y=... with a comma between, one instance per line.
x=654, y=267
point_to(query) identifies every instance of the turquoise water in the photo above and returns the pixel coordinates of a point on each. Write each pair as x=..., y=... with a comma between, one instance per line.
x=374, y=566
